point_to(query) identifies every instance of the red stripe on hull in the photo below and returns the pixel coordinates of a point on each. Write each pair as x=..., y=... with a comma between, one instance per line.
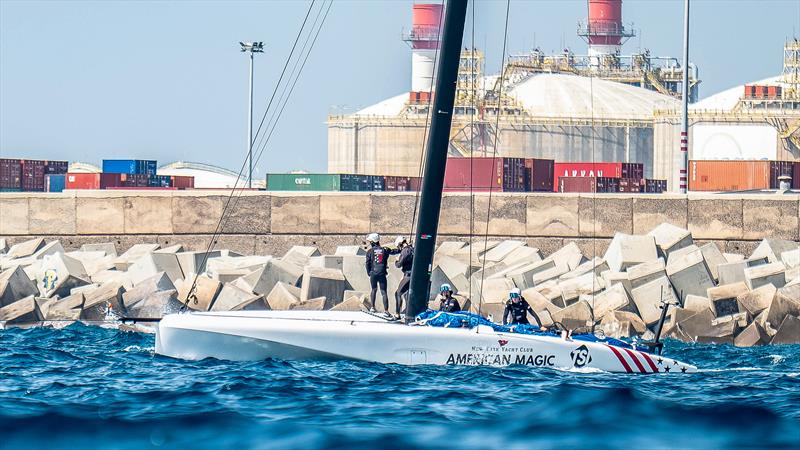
x=649, y=361
x=635, y=360
x=621, y=359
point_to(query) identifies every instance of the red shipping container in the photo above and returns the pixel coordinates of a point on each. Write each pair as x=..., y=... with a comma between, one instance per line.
x=182, y=182
x=10, y=173
x=395, y=183
x=749, y=91
x=111, y=180
x=796, y=176
x=586, y=169
x=540, y=174
x=83, y=181
x=779, y=169
x=728, y=175
x=483, y=174
x=760, y=91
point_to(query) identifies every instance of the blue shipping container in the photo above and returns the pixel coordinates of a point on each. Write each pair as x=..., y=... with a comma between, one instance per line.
x=130, y=166
x=55, y=183
x=159, y=181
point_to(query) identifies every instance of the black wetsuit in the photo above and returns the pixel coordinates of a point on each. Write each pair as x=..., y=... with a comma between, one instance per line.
x=519, y=313
x=403, y=263
x=377, y=257
x=449, y=305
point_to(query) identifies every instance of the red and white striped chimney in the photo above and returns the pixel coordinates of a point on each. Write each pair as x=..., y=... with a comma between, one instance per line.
x=424, y=41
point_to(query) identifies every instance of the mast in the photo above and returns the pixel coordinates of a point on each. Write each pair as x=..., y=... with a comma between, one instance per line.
x=684, y=171
x=436, y=155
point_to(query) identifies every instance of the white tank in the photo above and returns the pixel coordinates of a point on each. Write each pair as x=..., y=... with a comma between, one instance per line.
x=422, y=70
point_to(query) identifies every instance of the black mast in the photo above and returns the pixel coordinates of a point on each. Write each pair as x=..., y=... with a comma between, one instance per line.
x=436, y=155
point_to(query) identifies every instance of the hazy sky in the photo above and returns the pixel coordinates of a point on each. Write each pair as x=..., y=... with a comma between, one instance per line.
x=165, y=80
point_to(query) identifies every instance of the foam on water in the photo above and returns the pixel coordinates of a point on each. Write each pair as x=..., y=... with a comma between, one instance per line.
x=91, y=387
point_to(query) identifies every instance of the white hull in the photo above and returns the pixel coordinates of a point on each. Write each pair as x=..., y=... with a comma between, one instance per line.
x=336, y=335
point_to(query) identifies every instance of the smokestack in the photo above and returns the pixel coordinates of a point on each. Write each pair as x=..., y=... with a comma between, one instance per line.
x=424, y=41
x=603, y=29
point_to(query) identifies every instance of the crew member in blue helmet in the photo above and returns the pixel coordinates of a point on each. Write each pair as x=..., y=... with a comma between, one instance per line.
x=517, y=308
x=448, y=303
x=376, y=260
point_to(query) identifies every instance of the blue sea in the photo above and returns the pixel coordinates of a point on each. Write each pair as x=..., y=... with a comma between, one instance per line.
x=90, y=387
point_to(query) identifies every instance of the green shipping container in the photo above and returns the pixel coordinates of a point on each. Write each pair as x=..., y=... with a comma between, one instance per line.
x=303, y=182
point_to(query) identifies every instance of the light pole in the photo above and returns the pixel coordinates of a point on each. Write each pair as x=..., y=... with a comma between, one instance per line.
x=251, y=47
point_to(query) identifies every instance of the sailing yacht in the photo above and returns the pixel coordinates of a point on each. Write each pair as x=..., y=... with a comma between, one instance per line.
x=429, y=337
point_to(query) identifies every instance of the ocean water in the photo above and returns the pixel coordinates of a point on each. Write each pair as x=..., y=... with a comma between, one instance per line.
x=90, y=387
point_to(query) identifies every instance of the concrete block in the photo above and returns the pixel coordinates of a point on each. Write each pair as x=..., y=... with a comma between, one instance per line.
x=689, y=274
x=699, y=324
x=350, y=250
x=51, y=215
x=507, y=217
x=622, y=324
x=573, y=288
x=611, y=278
x=716, y=218
x=597, y=265
x=94, y=262
x=103, y=215
x=196, y=214
x=320, y=282
x=604, y=216
x=26, y=248
x=3, y=246
x=263, y=280
x=733, y=272
x=139, y=292
x=669, y=238
x=772, y=249
x=677, y=254
x=539, y=302
x=495, y=290
x=295, y=214
x=448, y=248
x=25, y=310
x=14, y=216
x=723, y=298
x=106, y=247
x=195, y=262
x=132, y=254
x=548, y=215
x=502, y=250
x=148, y=214
x=552, y=292
x=460, y=283
x=250, y=213
x=644, y=273
x=773, y=273
x=97, y=302
x=15, y=285
x=283, y=296
x=651, y=211
x=569, y=256
x=770, y=217
x=612, y=299
x=627, y=251
x=451, y=266
x=155, y=304
x=523, y=254
x=60, y=273
x=714, y=258
x=344, y=213
x=697, y=303
x=522, y=276
x=231, y=298
x=68, y=308
x=540, y=277
x=733, y=257
x=351, y=303
x=355, y=273
x=788, y=331
x=107, y=276
x=791, y=258
x=206, y=290
x=313, y=304
x=785, y=303
x=650, y=296
x=576, y=317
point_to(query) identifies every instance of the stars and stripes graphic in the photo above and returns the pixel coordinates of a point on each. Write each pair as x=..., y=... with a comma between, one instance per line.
x=634, y=361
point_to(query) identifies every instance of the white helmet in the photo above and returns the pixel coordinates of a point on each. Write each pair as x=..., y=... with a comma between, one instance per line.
x=514, y=293
x=373, y=237
x=399, y=240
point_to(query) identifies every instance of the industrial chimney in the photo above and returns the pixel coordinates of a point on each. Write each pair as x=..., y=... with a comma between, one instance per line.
x=604, y=30
x=424, y=41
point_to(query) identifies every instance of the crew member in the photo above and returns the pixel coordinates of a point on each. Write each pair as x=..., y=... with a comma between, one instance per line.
x=404, y=262
x=448, y=303
x=376, y=270
x=517, y=308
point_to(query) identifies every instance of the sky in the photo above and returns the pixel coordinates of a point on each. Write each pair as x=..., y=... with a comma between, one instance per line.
x=87, y=80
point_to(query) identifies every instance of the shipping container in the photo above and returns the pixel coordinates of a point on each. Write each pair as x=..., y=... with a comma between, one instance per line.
x=55, y=182
x=303, y=182
x=360, y=183
x=159, y=181
x=482, y=174
x=773, y=91
x=83, y=181
x=760, y=91
x=110, y=180
x=728, y=175
x=589, y=184
x=32, y=179
x=10, y=173
x=749, y=91
x=130, y=166
x=779, y=169
x=540, y=174
x=796, y=176
x=655, y=186
x=595, y=169
x=630, y=185
x=182, y=182
x=56, y=167
x=400, y=184
x=632, y=171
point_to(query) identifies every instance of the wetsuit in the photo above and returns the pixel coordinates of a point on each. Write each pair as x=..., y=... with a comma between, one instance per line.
x=449, y=305
x=403, y=263
x=519, y=313
x=377, y=257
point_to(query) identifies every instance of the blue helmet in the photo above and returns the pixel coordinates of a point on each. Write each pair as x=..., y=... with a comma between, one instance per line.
x=445, y=288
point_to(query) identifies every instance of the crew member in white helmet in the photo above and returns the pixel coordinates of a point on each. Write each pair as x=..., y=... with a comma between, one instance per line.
x=376, y=260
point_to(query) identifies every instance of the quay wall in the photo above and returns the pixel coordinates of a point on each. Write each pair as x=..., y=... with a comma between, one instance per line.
x=271, y=222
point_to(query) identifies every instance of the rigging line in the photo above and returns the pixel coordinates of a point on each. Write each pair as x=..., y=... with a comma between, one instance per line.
x=273, y=125
x=472, y=148
x=292, y=74
x=494, y=153
x=225, y=209
x=428, y=113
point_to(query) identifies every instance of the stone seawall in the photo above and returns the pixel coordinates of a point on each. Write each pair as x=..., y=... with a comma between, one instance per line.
x=270, y=223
